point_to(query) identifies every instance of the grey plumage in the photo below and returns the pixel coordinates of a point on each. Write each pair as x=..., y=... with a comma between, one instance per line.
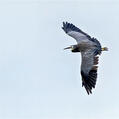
x=89, y=48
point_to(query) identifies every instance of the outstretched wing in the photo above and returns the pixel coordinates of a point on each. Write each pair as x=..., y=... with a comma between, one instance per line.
x=75, y=32
x=89, y=70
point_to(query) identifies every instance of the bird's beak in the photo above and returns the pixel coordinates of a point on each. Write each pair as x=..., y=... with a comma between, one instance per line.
x=67, y=48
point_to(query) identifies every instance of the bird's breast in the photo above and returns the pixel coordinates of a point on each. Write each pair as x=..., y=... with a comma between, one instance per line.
x=83, y=46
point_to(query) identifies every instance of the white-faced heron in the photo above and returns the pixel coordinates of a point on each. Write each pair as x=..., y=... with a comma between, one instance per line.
x=90, y=49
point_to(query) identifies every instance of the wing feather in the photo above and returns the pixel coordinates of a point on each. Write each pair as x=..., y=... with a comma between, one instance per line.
x=75, y=32
x=89, y=70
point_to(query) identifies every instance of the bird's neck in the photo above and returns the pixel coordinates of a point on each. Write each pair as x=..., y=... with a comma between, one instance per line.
x=75, y=48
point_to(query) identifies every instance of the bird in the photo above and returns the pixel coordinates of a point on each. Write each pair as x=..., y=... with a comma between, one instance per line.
x=90, y=49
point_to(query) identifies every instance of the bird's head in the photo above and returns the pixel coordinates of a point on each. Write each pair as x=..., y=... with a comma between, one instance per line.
x=74, y=48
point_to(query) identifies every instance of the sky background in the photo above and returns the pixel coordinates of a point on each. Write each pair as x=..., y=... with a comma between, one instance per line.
x=38, y=79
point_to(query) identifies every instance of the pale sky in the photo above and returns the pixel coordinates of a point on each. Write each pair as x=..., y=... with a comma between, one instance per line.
x=38, y=79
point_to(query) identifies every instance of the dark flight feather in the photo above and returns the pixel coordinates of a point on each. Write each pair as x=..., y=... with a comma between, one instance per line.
x=89, y=80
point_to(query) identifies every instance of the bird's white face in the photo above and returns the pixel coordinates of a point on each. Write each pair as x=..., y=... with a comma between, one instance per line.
x=73, y=48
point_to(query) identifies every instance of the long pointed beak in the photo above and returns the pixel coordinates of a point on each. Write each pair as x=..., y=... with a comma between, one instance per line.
x=67, y=48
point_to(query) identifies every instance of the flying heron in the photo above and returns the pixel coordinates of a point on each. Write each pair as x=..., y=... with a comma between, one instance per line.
x=90, y=49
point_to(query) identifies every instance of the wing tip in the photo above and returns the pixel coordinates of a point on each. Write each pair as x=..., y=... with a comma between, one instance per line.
x=69, y=27
x=65, y=26
x=89, y=81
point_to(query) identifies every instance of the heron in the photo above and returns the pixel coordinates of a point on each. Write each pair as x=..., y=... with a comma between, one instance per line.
x=90, y=49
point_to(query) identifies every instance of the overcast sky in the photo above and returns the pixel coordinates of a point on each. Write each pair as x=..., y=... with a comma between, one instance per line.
x=38, y=80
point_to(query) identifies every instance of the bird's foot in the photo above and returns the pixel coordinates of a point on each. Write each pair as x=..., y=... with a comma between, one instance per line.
x=104, y=49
